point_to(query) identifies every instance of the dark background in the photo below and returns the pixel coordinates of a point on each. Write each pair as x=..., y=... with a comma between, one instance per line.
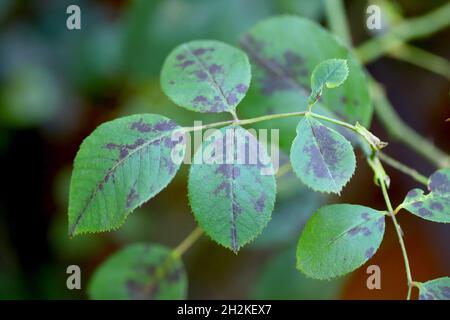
x=57, y=85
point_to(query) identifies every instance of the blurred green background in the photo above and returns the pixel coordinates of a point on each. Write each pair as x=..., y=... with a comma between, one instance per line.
x=57, y=85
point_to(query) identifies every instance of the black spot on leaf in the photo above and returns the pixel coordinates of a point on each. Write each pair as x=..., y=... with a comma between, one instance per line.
x=201, y=51
x=139, y=291
x=425, y=212
x=175, y=275
x=132, y=196
x=215, y=68
x=185, y=64
x=417, y=204
x=436, y=206
x=369, y=253
x=426, y=296
x=201, y=75
x=439, y=182
x=445, y=292
x=323, y=156
x=241, y=88
x=141, y=126
x=259, y=205
x=380, y=224
x=278, y=74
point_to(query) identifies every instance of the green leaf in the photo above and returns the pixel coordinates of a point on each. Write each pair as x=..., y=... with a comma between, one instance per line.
x=437, y=289
x=206, y=76
x=283, y=51
x=321, y=157
x=338, y=239
x=435, y=205
x=280, y=280
x=330, y=73
x=232, y=200
x=140, y=272
x=121, y=165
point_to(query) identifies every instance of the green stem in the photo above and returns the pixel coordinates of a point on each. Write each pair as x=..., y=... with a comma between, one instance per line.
x=409, y=29
x=381, y=177
x=423, y=59
x=337, y=21
x=187, y=242
x=399, y=130
x=284, y=169
x=356, y=128
x=235, y=117
x=403, y=168
x=335, y=121
x=246, y=121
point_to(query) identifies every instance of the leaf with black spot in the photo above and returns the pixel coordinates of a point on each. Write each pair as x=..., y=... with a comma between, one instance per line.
x=283, y=52
x=206, y=76
x=321, y=157
x=435, y=205
x=140, y=272
x=121, y=165
x=232, y=192
x=338, y=239
x=437, y=289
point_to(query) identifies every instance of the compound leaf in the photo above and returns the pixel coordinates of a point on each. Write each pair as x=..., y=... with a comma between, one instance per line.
x=122, y=164
x=283, y=51
x=140, y=272
x=330, y=73
x=206, y=76
x=338, y=239
x=232, y=200
x=437, y=289
x=321, y=157
x=435, y=205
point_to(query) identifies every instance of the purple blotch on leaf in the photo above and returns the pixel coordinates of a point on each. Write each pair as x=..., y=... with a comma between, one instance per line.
x=425, y=212
x=241, y=88
x=440, y=183
x=324, y=157
x=232, y=99
x=279, y=73
x=412, y=193
x=140, y=291
x=445, y=292
x=215, y=68
x=175, y=275
x=236, y=208
x=436, y=206
x=417, y=204
x=185, y=64
x=201, y=51
x=369, y=253
x=201, y=75
x=165, y=125
x=380, y=223
x=141, y=126
x=132, y=196
x=259, y=205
